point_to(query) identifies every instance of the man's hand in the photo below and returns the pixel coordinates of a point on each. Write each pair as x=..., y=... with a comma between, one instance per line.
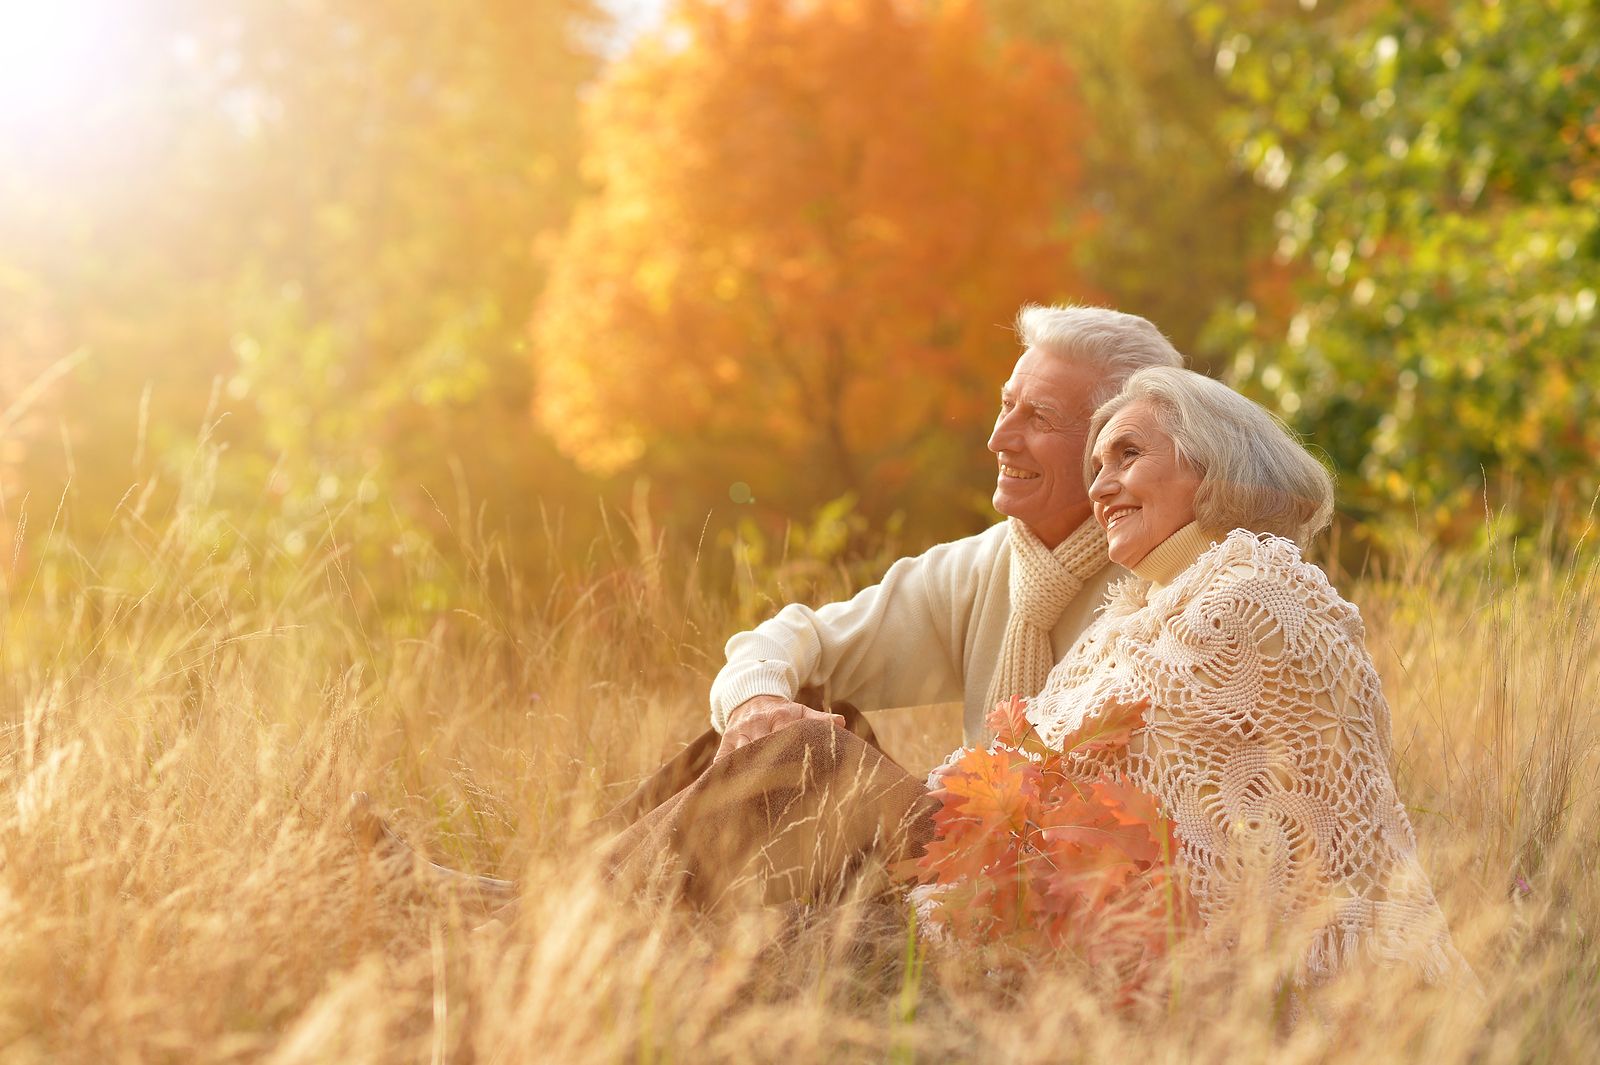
x=764, y=715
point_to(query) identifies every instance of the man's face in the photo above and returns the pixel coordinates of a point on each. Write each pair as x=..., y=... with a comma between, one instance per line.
x=1039, y=439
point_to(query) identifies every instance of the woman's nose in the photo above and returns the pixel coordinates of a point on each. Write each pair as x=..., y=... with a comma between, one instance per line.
x=1103, y=487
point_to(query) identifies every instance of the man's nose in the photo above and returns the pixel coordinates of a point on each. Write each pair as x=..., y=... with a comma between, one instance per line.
x=1005, y=436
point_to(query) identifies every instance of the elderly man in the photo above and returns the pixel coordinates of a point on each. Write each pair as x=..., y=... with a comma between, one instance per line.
x=978, y=619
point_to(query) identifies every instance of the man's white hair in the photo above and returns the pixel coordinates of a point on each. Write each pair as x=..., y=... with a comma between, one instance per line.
x=1254, y=472
x=1117, y=344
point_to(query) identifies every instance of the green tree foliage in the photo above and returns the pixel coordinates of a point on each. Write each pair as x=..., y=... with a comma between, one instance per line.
x=1177, y=219
x=1430, y=315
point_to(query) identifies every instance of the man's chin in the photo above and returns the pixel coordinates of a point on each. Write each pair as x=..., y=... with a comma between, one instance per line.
x=1008, y=504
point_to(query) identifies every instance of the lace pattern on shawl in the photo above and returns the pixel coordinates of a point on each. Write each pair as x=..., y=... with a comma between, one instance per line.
x=1267, y=741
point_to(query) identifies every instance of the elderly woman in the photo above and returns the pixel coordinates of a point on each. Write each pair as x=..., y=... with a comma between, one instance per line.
x=1265, y=738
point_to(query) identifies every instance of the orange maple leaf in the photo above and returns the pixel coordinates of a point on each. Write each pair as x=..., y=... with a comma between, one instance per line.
x=995, y=788
x=1009, y=722
x=1042, y=862
x=985, y=800
x=1111, y=729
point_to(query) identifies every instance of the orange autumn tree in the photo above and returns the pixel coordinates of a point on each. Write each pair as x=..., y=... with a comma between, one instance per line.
x=808, y=227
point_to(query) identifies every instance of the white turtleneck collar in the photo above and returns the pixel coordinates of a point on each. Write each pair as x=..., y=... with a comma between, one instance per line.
x=1172, y=556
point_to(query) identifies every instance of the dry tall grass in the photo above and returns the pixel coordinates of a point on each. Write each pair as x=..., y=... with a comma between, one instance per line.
x=185, y=712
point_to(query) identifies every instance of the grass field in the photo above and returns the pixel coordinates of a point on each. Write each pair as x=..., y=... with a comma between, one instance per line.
x=186, y=711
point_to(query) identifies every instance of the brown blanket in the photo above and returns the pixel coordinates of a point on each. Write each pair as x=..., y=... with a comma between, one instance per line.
x=803, y=815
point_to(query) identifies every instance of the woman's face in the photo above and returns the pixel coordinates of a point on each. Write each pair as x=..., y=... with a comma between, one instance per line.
x=1142, y=493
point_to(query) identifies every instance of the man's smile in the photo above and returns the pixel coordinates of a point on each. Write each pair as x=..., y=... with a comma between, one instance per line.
x=1012, y=471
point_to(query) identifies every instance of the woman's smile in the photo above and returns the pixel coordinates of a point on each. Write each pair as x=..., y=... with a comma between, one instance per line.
x=1112, y=515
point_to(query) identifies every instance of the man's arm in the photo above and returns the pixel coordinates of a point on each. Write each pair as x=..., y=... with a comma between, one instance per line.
x=896, y=643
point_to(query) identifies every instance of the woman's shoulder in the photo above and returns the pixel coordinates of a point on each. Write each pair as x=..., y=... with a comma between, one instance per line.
x=1245, y=555
x=1258, y=568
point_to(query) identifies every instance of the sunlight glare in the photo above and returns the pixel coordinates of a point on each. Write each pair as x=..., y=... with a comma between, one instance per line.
x=53, y=55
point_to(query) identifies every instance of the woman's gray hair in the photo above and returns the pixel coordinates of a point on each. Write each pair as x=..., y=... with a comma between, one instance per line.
x=1118, y=344
x=1254, y=472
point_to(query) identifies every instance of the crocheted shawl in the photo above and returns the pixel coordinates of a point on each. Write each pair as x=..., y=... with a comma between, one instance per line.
x=1267, y=741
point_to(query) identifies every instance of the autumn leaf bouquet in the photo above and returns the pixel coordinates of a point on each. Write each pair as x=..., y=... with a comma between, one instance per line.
x=1032, y=862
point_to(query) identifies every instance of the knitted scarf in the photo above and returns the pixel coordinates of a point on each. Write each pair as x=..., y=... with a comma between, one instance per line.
x=1043, y=583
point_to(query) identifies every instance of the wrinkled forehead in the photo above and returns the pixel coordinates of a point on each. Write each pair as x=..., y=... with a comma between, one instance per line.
x=1138, y=423
x=1045, y=379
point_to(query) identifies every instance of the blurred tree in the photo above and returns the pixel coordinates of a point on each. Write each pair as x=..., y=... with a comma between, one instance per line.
x=334, y=206
x=810, y=225
x=1432, y=315
x=1179, y=219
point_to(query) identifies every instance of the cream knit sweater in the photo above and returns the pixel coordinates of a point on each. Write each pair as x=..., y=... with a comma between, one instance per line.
x=931, y=631
x=1266, y=739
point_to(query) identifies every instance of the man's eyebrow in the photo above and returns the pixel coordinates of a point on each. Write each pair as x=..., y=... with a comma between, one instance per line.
x=1041, y=405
